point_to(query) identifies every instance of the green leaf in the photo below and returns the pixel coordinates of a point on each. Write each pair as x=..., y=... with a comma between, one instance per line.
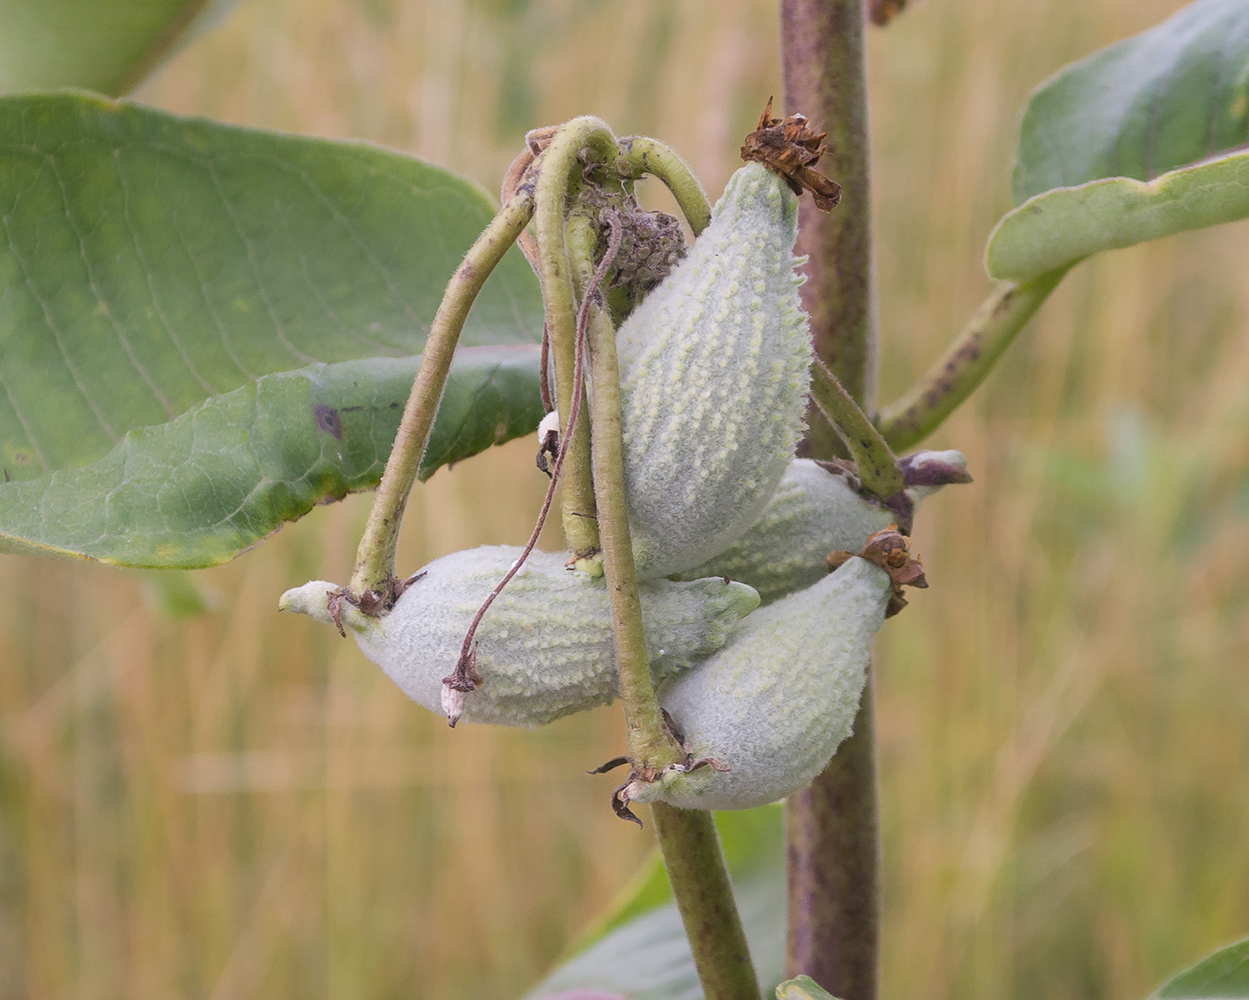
x=105, y=45
x=1058, y=228
x=1136, y=142
x=802, y=988
x=1170, y=96
x=640, y=949
x=1224, y=975
x=198, y=489
x=168, y=283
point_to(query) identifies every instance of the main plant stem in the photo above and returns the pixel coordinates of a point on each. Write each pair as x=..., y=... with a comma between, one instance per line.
x=687, y=838
x=832, y=826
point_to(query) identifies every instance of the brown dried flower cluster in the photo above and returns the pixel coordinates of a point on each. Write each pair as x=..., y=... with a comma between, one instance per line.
x=791, y=149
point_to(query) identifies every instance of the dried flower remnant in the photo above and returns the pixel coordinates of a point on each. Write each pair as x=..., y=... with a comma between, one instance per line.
x=889, y=550
x=881, y=12
x=791, y=149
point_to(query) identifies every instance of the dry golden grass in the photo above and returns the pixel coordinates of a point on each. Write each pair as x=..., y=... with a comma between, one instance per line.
x=239, y=805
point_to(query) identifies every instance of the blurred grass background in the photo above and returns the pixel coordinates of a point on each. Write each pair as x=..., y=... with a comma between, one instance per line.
x=237, y=805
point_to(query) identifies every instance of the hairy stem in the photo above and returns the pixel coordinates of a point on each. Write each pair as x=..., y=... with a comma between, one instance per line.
x=375, y=557
x=823, y=68
x=834, y=868
x=704, y=895
x=969, y=359
x=875, y=463
x=641, y=155
x=834, y=932
x=688, y=839
x=555, y=176
x=649, y=744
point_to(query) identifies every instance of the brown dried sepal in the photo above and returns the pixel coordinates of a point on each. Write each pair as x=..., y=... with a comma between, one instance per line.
x=791, y=149
x=644, y=775
x=881, y=12
x=548, y=451
x=373, y=603
x=890, y=550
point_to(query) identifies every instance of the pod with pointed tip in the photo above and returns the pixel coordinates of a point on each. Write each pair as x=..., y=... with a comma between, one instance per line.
x=715, y=368
x=544, y=648
x=775, y=703
x=814, y=512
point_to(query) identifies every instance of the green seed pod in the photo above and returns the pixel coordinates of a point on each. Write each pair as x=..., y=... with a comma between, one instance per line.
x=775, y=703
x=814, y=512
x=714, y=376
x=544, y=648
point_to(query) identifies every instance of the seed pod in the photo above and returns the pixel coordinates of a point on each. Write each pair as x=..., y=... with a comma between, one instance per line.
x=774, y=704
x=544, y=648
x=816, y=511
x=714, y=376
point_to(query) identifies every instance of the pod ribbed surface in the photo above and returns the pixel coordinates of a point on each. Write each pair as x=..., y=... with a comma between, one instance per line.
x=545, y=648
x=714, y=376
x=812, y=513
x=777, y=701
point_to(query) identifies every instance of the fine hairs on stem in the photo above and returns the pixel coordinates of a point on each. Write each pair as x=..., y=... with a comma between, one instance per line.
x=465, y=677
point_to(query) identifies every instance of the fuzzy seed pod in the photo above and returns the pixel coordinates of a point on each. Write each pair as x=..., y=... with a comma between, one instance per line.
x=775, y=703
x=814, y=512
x=715, y=367
x=544, y=648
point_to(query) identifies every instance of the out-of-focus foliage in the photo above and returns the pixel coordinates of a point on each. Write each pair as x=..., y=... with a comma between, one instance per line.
x=1221, y=976
x=104, y=45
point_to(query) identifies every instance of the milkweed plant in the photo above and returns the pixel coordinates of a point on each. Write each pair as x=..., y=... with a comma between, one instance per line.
x=736, y=511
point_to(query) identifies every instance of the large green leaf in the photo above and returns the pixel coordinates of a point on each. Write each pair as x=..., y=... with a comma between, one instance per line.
x=1164, y=106
x=105, y=45
x=1057, y=228
x=1223, y=975
x=197, y=490
x=1172, y=95
x=641, y=951
x=204, y=282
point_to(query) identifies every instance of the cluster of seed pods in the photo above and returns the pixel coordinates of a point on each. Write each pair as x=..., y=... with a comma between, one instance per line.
x=714, y=374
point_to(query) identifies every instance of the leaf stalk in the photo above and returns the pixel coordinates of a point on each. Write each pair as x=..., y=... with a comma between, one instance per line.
x=641, y=155
x=704, y=896
x=967, y=362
